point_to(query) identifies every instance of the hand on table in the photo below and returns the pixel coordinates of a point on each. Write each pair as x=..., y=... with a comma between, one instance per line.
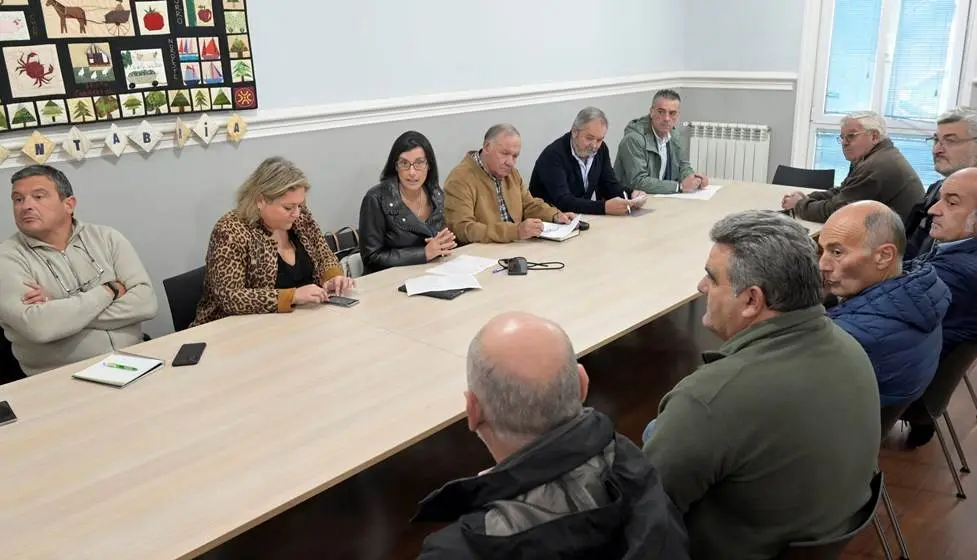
x=691, y=183
x=529, y=228
x=338, y=285
x=790, y=201
x=440, y=245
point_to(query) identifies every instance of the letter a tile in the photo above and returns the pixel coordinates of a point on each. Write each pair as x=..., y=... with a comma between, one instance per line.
x=237, y=129
x=116, y=141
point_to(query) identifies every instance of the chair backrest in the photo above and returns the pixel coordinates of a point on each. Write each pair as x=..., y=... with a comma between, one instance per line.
x=830, y=549
x=183, y=292
x=952, y=369
x=345, y=243
x=9, y=366
x=808, y=178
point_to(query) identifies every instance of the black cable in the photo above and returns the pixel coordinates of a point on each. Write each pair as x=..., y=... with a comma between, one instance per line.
x=552, y=265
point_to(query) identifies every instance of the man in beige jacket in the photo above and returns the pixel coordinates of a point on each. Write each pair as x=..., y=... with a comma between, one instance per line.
x=485, y=198
x=71, y=290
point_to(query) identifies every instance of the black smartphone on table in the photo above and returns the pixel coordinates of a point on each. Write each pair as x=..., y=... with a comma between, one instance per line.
x=342, y=301
x=189, y=354
x=6, y=413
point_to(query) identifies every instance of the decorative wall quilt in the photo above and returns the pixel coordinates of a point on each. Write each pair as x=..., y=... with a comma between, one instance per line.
x=84, y=61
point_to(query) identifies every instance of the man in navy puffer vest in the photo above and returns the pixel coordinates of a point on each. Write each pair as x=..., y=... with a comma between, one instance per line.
x=953, y=227
x=895, y=315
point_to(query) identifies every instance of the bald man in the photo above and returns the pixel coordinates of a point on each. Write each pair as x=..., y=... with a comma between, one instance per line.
x=895, y=315
x=565, y=484
x=953, y=228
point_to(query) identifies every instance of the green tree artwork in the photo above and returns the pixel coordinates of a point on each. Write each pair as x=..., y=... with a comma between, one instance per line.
x=239, y=47
x=200, y=100
x=105, y=106
x=23, y=116
x=155, y=100
x=52, y=110
x=133, y=103
x=3, y=120
x=242, y=70
x=221, y=100
x=81, y=111
x=180, y=102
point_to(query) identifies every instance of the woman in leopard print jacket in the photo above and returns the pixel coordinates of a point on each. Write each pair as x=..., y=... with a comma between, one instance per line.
x=268, y=254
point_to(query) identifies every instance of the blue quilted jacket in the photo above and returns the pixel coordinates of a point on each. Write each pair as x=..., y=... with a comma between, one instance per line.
x=898, y=323
x=956, y=264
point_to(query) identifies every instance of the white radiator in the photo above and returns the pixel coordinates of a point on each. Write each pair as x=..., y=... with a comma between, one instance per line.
x=730, y=150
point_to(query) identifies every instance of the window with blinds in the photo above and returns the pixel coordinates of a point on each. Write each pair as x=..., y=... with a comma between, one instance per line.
x=917, y=150
x=901, y=58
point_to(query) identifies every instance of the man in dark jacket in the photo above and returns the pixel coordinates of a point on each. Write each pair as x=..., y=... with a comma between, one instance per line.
x=565, y=484
x=895, y=315
x=953, y=226
x=878, y=172
x=954, y=148
x=577, y=166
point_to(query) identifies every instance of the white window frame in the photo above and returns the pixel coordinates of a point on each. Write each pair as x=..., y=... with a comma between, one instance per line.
x=809, y=117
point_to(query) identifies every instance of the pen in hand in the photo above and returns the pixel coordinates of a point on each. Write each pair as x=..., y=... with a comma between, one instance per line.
x=628, y=200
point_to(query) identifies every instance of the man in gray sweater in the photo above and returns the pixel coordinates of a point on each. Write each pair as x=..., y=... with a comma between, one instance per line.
x=71, y=290
x=774, y=440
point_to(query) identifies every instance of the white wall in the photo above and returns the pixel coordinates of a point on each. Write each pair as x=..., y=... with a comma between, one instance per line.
x=330, y=51
x=742, y=35
x=166, y=202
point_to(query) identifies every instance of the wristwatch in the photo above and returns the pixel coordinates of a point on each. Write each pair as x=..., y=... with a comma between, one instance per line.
x=115, y=291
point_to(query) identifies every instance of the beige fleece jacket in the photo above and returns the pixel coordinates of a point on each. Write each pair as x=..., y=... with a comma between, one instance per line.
x=76, y=326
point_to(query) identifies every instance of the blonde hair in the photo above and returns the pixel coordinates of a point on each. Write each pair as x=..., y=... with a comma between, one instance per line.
x=275, y=177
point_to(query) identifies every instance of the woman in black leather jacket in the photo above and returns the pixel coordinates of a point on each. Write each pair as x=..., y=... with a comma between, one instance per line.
x=402, y=218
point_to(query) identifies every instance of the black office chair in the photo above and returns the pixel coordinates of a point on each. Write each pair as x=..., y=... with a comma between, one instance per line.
x=808, y=178
x=183, y=293
x=830, y=549
x=10, y=370
x=345, y=244
x=953, y=368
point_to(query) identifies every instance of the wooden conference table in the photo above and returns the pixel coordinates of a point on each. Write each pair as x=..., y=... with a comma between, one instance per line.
x=284, y=407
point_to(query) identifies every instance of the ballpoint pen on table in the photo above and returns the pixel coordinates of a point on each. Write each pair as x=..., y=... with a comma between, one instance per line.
x=119, y=366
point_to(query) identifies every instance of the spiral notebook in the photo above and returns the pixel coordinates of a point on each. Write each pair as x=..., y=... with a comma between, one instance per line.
x=118, y=370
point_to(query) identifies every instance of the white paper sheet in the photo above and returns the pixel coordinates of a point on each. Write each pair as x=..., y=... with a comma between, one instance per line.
x=701, y=194
x=559, y=232
x=440, y=282
x=463, y=264
x=119, y=369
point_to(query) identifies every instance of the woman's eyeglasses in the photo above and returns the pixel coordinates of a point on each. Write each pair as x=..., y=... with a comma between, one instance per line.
x=419, y=165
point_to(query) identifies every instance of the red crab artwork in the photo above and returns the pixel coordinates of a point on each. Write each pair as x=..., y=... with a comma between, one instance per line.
x=29, y=65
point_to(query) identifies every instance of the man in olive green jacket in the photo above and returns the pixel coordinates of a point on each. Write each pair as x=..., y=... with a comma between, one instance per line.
x=651, y=157
x=774, y=440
